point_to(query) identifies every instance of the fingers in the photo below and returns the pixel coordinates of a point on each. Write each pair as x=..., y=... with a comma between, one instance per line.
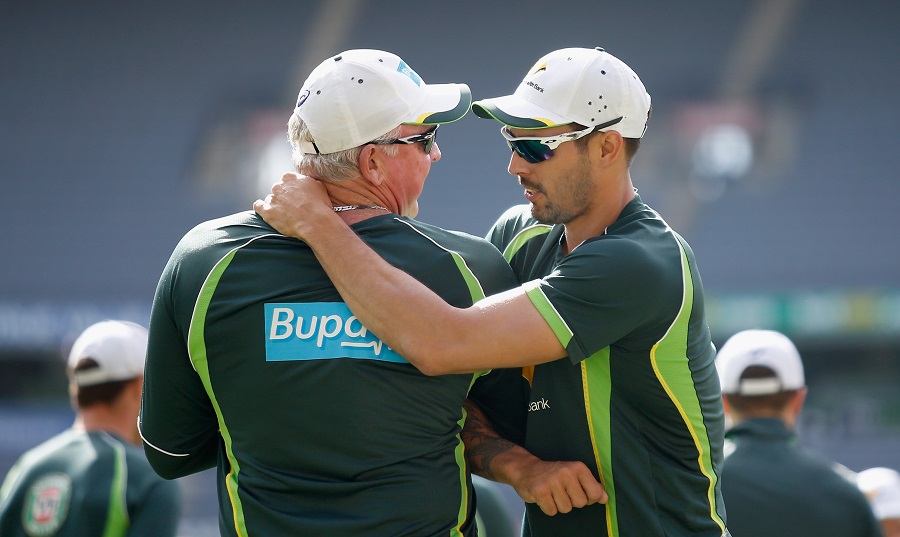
x=565, y=486
x=594, y=491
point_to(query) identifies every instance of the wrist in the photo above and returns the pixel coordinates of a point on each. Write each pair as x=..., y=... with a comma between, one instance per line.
x=512, y=465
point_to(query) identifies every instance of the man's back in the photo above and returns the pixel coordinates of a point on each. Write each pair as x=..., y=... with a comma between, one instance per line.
x=773, y=486
x=324, y=430
x=82, y=484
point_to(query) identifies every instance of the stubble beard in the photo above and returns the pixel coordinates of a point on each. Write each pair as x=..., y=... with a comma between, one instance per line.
x=571, y=201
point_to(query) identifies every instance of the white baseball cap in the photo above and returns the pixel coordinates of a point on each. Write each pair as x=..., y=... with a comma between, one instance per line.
x=359, y=95
x=575, y=85
x=882, y=487
x=765, y=348
x=118, y=347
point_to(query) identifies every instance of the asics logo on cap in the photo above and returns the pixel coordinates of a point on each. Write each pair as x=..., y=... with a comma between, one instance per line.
x=407, y=70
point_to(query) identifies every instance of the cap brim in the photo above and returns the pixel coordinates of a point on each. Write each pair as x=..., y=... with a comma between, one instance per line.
x=516, y=112
x=446, y=103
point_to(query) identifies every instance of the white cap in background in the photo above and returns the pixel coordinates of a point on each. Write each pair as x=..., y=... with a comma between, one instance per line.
x=765, y=348
x=882, y=487
x=118, y=347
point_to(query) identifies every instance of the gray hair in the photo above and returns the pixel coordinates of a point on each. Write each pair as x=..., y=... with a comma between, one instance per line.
x=338, y=166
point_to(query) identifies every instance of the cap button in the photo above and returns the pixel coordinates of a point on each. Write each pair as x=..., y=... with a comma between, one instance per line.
x=601, y=49
x=338, y=58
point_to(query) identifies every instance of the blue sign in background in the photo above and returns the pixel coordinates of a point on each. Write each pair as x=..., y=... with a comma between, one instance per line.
x=320, y=331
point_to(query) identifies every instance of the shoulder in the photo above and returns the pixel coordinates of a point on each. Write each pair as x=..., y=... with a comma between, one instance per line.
x=640, y=244
x=451, y=240
x=515, y=228
x=515, y=219
x=234, y=226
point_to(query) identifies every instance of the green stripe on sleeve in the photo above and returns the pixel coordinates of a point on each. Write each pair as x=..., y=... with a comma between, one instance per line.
x=548, y=312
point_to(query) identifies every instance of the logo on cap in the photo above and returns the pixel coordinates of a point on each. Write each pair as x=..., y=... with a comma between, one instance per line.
x=407, y=70
x=302, y=98
x=539, y=68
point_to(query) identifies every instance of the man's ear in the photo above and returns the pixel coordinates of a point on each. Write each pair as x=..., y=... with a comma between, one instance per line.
x=371, y=164
x=611, y=145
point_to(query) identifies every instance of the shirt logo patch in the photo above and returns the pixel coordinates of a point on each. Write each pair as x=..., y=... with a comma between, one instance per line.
x=46, y=505
x=320, y=331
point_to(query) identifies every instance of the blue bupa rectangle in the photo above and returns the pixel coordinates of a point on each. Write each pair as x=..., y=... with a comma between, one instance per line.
x=320, y=331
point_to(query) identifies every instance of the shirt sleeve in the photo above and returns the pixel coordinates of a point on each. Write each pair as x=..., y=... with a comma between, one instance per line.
x=602, y=292
x=178, y=423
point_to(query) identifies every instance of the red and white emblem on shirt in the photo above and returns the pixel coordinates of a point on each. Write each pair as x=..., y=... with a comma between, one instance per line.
x=46, y=504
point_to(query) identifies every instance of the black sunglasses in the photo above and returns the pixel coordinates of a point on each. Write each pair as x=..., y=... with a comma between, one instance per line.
x=427, y=140
x=535, y=149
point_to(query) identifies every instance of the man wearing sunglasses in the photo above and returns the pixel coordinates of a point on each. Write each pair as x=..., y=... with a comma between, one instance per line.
x=257, y=367
x=608, y=319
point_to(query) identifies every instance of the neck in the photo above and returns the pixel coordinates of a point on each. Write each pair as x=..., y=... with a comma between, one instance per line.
x=600, y=215
x=104, y=418
x=353, y=204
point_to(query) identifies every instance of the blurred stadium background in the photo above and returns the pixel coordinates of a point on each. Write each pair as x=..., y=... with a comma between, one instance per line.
x=772, y=149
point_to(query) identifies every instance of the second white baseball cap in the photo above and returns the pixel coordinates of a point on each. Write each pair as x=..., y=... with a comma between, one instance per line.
x=118, y=347
x=765, y=348
x=587, y=86
x=882, y=487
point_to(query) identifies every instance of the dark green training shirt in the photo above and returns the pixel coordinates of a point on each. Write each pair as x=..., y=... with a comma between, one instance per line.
x=256, y=366
x=638, y=398
x=774, y=487
x=80, y=484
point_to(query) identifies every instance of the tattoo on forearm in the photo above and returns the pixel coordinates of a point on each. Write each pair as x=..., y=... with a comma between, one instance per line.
x=483, y=444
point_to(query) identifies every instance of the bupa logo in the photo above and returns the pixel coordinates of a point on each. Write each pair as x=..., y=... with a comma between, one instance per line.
x=320, y=331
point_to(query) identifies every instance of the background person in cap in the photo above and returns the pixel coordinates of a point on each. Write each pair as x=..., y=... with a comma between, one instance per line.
x=882, y=487
x=257, y=367
x=610, y=314
x=771, y=484
x=93, y=480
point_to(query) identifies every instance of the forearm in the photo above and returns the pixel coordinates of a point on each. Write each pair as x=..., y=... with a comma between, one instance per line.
x=555, y=486
x=490, y=455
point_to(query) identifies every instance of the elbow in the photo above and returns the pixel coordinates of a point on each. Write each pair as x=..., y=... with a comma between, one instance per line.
x=163, y=466
x=430, y=360
x=432, y=369
x=170, y=467
x=167, y=473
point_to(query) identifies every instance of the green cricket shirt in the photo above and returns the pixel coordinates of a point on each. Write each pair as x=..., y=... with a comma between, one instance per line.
x=774, y=487
x=638, y=397
x=256, y=366
x=81, y=484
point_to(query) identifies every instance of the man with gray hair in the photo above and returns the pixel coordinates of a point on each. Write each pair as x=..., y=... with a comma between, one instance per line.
x=256, y=366
x=772, y=485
